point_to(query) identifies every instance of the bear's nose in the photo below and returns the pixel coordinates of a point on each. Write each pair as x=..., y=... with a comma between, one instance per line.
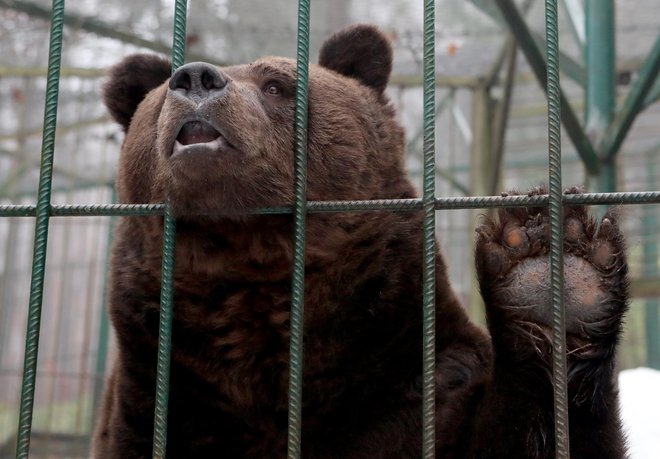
x=198, y=80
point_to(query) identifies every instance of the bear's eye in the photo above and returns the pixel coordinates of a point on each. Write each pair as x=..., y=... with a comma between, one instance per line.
x=273, y=88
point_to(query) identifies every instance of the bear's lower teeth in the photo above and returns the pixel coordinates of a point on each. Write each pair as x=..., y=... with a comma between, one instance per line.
x=197, y=132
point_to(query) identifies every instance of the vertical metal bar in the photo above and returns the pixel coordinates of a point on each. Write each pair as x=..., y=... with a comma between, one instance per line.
x=600, y=64
x=179, y=35
x=59, y=321
x=84, y=404
x=650, y=269
x=500, y=122
x=600, y=90
x=652, y=329
x=104, y=325
x=167, y=279
x=300, y=211
x=41, y=232
x=164, y=338
x=428, y=199
x=559, y=366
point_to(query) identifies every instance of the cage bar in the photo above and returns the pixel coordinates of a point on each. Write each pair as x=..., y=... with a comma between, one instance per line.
x=40, y=233
x=164, y=338
x=300, y=211
x=559, y=367
x=167, y=273
x=393, y=205
x=428, y=202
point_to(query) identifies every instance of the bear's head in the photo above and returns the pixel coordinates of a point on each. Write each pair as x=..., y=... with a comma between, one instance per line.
x=220, y=141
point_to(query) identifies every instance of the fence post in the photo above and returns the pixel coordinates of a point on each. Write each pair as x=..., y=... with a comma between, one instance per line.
x=600, y=90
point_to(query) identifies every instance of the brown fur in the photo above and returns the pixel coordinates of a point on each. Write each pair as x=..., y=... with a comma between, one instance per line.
x=363, y=338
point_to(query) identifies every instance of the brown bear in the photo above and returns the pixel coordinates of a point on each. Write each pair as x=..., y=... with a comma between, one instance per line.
x=216, y=144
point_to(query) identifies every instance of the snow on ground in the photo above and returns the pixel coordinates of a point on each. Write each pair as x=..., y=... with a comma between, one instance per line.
x=639, y=394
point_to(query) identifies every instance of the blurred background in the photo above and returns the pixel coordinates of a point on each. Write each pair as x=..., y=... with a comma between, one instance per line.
x=491, y=136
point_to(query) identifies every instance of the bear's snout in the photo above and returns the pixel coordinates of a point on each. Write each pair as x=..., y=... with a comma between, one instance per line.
x=198, y=81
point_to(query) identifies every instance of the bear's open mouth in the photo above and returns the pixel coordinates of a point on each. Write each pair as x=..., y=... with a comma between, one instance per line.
x=197, y=132
x=195, y=135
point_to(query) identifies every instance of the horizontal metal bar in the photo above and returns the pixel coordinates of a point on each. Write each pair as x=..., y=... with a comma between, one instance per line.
x=393, y=205
x=85, y=210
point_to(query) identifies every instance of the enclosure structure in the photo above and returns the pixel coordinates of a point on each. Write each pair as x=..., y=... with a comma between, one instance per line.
x=497, y=138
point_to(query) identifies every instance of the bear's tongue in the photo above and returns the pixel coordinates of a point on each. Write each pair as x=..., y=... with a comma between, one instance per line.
x=197, y=132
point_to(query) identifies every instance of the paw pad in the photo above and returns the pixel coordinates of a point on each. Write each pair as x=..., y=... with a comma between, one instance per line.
x=573, y=230
x=514, y=236
x=514, y=269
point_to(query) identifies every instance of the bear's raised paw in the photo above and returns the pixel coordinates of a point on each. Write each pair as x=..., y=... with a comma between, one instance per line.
x=513, y=266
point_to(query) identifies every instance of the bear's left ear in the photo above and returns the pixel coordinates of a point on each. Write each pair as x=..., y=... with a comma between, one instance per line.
x=130, y=81
x=362, y=52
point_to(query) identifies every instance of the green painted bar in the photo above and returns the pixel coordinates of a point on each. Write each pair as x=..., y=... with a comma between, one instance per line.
x=294, y=446
x=559, y=366
x=600, y=104
x=394, y=205
x=634, y=102
x=428, y=201
x=164, y=339
x=601, y=72
x=101, y=353
x=536, y=61
x=570, y=67
x=167, y=276
x=85, y=210
x=41, y=233
x=652, y=328
x=654, y=94
x=650, y=269
x=601, y=85
x=104, y=325
x=179, y=34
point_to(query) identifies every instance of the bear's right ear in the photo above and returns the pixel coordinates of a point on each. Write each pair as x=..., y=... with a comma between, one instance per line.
x=360, y=51
x=130, y=81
